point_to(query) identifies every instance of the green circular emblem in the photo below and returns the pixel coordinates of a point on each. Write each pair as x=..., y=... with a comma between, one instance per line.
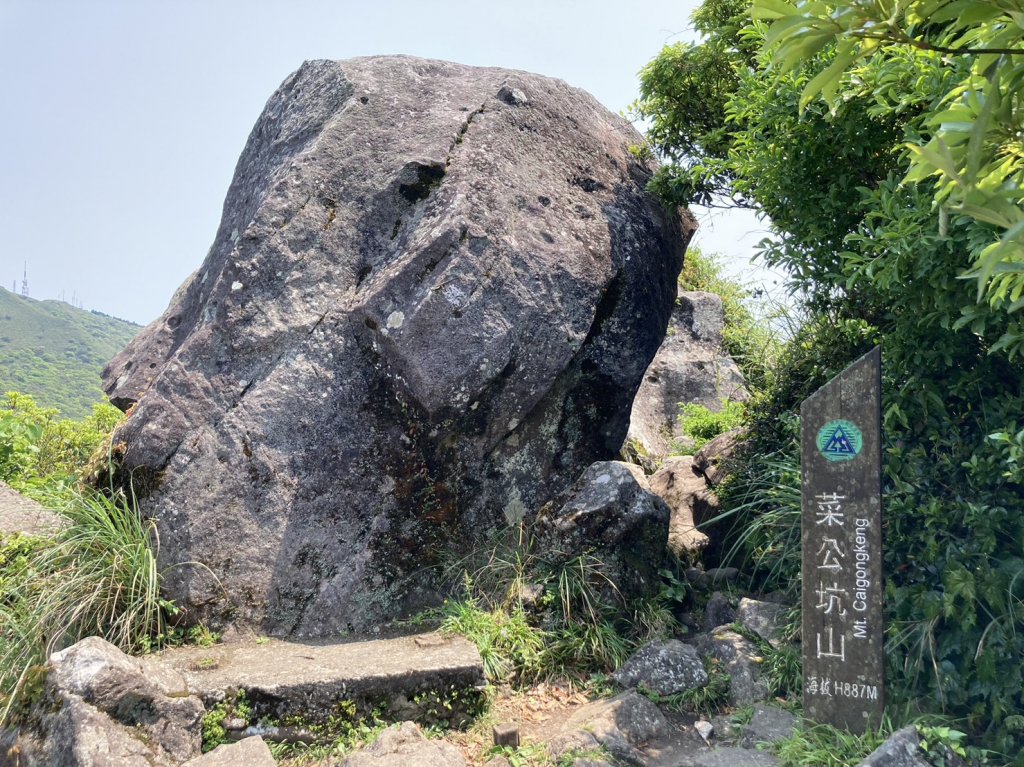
x=840, y=440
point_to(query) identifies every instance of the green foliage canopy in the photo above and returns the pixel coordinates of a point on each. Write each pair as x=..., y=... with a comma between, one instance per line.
x=969, y=141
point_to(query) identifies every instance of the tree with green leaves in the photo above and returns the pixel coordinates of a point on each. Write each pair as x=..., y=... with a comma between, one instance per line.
x=855, y=144
x=972, y=130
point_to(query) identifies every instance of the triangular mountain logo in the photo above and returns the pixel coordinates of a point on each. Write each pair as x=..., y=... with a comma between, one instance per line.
x=839, y=443
x=840, y=440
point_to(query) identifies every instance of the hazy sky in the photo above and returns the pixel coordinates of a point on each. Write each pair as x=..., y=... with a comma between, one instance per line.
x=122, y=121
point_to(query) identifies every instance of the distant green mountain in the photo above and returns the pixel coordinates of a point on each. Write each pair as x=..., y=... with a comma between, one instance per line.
x=55, y=352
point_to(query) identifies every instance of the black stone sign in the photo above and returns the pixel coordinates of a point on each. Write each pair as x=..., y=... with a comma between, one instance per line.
x=840, y=428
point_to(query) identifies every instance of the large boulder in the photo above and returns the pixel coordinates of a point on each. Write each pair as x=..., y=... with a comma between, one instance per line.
x=691, y=366
x=430, y=301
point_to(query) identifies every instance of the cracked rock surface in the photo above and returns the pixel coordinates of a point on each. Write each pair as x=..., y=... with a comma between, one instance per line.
x=432, y=295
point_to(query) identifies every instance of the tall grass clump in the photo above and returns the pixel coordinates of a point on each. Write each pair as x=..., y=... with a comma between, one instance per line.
x=97, y=576
x=536, y=613
x=821, y=745
x=510, y=647
x=761, y=522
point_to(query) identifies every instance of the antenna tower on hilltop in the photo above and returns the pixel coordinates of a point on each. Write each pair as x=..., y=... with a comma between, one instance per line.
x=24, y=281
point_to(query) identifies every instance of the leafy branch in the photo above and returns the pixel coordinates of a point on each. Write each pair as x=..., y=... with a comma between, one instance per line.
x=974, y=147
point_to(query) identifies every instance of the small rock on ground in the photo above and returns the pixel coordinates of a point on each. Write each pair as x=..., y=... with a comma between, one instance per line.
x=406, y=744
x=706, y=730
x=250, y=752
x=900, y=750
x=770, y=724
x=620, y=725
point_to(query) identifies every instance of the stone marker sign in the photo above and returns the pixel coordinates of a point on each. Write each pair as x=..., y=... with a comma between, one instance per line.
x=842, y=548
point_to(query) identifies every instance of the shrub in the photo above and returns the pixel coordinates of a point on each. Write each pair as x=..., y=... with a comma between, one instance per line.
x=703, y=425
x=42, y=454
x=573, y=622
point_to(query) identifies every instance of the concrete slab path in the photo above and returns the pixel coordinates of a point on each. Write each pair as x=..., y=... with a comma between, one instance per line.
x=299, y=676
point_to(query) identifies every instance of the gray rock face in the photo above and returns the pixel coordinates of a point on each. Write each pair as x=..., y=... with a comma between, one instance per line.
x=714, y=460
x=900, y=750
x=766, y=619
x=667, y=668
x=769, y=724
x=691, y=502
x=742, y=662
x=431, y=298
x=77, y=735
x=123, y=689
x=690, y=367
x=612, y=514
x=406, y=744
x=620, y=725
x=101, y=708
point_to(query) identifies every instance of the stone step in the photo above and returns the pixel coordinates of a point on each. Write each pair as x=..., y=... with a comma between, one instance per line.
x=426, y=677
